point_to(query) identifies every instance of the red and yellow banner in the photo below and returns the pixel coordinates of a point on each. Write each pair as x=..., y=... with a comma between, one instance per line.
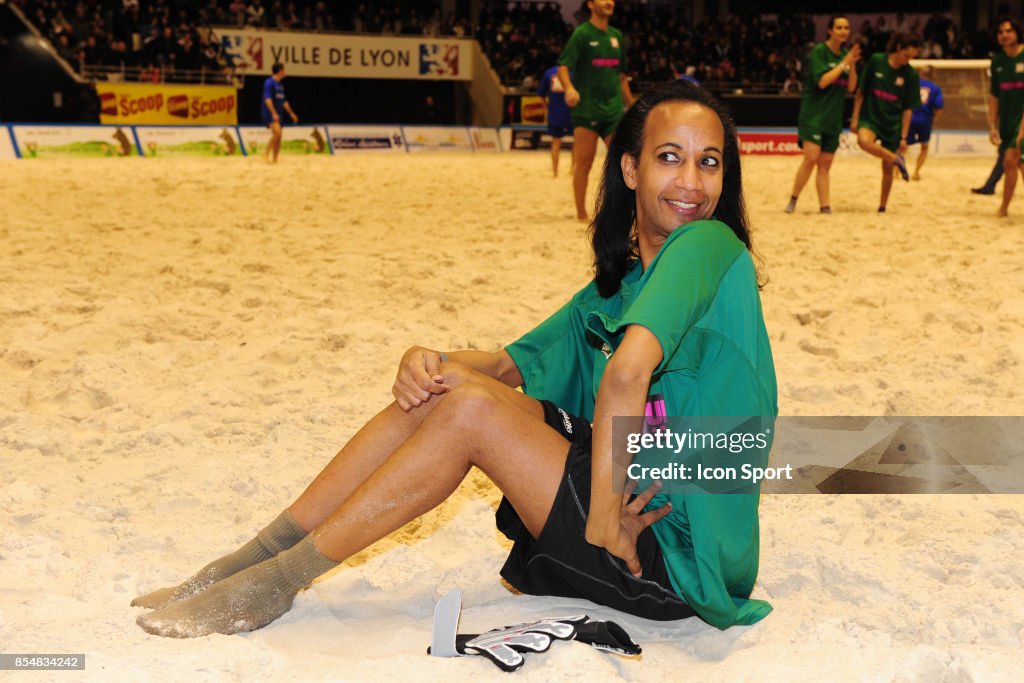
x=167, y=104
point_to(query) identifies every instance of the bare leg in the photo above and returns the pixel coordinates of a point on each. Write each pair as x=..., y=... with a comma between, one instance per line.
x=476, y=424
x=275, y=134
x=920, y=161
x=887, y=170
x=276, y=141
x=821, y=180
x=812, y=153
x=1011, y=160
x=556, y=148
x=483, y=424
x=353, y=464
x=376, y=441
x=868, y=141
x=584, y=147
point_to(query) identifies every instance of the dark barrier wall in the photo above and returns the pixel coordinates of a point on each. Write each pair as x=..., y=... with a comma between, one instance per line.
x=34, y=87
x=333, y=100
x=768, y=110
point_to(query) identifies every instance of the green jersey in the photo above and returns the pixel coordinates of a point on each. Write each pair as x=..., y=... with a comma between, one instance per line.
x=821, y=109
x=887, y=93
x=699, y=298
x=596, y=58
x=1008, y=87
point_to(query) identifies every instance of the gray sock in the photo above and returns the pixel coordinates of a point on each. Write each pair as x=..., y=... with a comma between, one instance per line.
x=279, y=535
x=249, y=600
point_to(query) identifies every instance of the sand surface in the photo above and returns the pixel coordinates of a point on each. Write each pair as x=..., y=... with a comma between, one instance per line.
x=183, y=344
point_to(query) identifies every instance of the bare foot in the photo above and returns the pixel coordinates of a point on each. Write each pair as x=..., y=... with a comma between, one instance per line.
x=916, y=176
x=583, y=218
x=1002, y=213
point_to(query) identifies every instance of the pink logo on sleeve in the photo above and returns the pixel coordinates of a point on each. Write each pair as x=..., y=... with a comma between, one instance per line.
x=655, y=413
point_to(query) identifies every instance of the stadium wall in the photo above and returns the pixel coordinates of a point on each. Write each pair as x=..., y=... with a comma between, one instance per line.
x=35, y=141
x=35, y=84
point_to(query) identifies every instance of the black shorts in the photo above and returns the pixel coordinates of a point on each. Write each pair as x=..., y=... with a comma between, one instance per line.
x=919, y=132
x=562, y=563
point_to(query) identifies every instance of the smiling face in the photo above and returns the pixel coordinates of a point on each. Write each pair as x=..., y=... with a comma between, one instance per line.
x=678, y=175
x=840, y=30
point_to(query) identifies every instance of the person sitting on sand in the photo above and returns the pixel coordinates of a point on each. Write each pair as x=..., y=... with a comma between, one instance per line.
x=670, y=325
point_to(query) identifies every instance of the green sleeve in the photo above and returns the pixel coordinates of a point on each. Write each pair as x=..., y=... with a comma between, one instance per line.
x=912, y=94
x=682, y=282
x=571, y=54
x=818, y=65
x=553, y=360
x=993, y=87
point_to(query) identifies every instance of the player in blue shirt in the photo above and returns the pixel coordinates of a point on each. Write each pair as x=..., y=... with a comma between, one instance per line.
x=924, y=117
x=559, y=115
x=274, y=106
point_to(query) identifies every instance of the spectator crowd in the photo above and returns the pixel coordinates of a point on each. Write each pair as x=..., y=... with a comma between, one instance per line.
x=159, y=39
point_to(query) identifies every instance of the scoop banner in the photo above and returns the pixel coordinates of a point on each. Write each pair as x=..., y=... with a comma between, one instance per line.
x=861, y=455
x=167, y=104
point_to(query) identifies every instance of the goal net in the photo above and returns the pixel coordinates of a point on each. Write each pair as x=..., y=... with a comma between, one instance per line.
x=964, y=84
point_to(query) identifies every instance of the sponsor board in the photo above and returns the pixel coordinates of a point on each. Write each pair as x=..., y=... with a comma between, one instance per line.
x=44, y=142
x=484, y=139
x=297, y=140
x=253, y=52
x=190, y=141
x=437, y=138
x=532, y=110
x=167, y=104
x=505, y=136
x=6, y=144
x=774, y=143
x=535, y=138
x=366, y=138
x=964, y=143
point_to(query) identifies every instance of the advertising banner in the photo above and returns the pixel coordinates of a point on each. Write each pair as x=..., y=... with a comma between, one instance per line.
x=298, y=140
x=6, y=144
x=484, y=139
x=366, y=138
x=769, y=142
x=437, y=138
x=254, y=52
x=962, y=143
x=189, y=141
x=532, y=110
x=534, y=137
x=60, y=142
x=167, y=104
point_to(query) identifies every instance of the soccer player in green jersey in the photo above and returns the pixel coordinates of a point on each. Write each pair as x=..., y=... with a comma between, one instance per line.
x=599, y=95
x=888, y=92
x=1006, y=104
x=831, y=74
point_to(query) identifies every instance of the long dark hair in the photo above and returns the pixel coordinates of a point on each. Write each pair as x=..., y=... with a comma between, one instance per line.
x=613, y=231
x=898, y=41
